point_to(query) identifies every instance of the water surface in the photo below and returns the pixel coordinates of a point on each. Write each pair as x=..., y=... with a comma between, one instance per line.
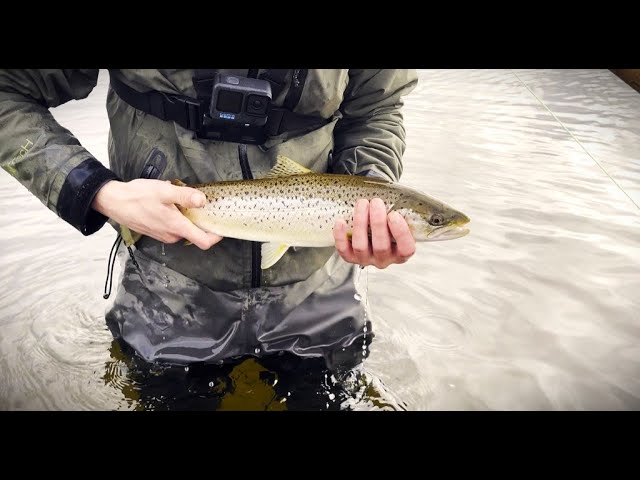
x=538, y=308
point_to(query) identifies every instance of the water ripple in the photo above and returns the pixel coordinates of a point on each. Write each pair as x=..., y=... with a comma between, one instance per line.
x=537, y=308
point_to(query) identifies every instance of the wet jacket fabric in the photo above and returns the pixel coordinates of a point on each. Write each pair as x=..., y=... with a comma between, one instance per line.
x=182, y=304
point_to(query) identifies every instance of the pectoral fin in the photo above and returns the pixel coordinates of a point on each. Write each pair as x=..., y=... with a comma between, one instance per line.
x=271, y=253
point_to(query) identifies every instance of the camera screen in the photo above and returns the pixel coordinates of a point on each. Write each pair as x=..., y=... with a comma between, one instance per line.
x=229, y=101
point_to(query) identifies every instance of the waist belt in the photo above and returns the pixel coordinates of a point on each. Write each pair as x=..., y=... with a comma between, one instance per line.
x=189, y=113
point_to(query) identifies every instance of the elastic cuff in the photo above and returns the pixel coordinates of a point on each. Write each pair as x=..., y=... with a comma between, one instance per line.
x=77, y=193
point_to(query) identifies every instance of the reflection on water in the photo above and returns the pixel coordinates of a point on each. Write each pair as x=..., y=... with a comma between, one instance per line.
x=279, y=382
x=537, y=308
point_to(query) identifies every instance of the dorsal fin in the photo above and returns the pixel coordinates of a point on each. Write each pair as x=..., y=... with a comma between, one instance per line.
x=285, y=166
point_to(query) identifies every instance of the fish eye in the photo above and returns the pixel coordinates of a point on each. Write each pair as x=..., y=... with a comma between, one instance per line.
x=436, y=219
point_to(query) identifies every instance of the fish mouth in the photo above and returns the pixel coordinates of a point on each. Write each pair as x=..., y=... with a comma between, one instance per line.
x=448, y=232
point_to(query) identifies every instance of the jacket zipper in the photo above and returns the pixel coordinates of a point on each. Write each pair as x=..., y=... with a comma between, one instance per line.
x=256, y=247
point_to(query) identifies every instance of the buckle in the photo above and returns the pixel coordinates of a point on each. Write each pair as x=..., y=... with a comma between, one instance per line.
x=194, y=117
x=182, y=110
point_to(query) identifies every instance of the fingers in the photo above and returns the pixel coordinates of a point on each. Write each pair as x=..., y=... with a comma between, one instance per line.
x=405, y=243
x=378, y=250
x=360, y=237
x=186, y=197
x=343, y=245
x=380, y=236
x=180, y=230
x=184, y=228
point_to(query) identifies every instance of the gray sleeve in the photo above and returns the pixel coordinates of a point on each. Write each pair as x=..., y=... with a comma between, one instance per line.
x=370, y=138
x=42, y=155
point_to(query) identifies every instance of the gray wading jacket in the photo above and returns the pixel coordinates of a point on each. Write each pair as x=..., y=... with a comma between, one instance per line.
x=190, y=305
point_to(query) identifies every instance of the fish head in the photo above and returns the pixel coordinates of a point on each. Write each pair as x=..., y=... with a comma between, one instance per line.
x=429, y=219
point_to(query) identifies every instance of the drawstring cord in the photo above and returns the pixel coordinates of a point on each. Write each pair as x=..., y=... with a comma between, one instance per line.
x=111, y=263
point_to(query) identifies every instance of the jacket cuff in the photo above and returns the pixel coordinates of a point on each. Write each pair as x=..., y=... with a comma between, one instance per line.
x=77, y=193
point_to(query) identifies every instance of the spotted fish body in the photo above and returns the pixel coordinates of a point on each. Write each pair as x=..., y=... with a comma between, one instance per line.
x=293, y=206
x=298, y=210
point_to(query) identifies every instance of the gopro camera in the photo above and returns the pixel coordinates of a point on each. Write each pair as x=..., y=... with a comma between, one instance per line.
x=240, y=101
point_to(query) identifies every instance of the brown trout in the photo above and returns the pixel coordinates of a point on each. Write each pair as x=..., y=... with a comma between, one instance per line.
x=293, y=206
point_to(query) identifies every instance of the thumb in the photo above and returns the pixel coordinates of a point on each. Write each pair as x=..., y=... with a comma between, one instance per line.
x=188, y=197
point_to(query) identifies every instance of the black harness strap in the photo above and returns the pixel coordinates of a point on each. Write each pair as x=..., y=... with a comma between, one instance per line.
x=297, y=85
x=203, y=84
x=277, y=78
x=183, y=110
x=189, y=112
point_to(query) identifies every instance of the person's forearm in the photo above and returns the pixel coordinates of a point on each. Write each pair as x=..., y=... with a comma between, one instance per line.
x=371, y=146
x=42, y=155
x=370, y=137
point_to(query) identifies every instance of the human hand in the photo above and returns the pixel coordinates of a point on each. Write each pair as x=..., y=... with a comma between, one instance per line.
x=377, y=250
x=148, y=207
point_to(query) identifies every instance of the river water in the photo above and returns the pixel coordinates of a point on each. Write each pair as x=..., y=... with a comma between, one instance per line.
x=538, y=308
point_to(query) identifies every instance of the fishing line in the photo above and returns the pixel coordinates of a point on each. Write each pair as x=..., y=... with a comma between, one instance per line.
x=574, y=137
x=366, y=314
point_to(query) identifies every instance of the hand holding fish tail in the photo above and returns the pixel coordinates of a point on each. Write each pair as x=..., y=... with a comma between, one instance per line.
x=390, y=241
x=149, y=207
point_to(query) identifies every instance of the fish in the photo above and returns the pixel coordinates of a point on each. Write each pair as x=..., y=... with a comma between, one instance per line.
x=292, y=206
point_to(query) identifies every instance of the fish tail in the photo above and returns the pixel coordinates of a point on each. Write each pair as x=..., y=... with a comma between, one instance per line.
x=130, y=237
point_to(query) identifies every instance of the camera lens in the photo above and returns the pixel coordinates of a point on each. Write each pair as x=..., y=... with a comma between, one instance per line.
x=257, y=105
